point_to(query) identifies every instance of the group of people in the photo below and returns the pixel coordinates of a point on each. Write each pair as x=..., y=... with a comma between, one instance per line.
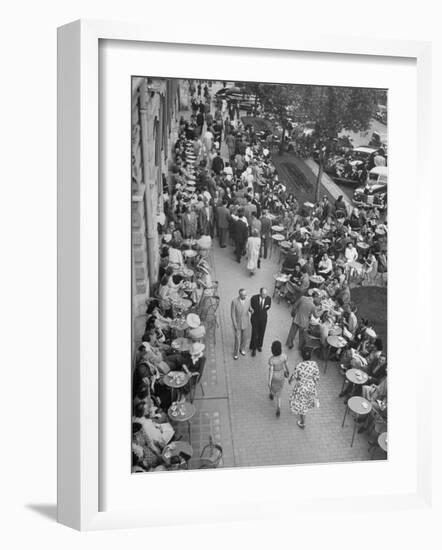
x=237, y=198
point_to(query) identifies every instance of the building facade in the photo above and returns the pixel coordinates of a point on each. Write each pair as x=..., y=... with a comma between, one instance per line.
x=156, y=104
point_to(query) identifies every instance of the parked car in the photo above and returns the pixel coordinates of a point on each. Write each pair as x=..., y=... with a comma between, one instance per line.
x=374, y=192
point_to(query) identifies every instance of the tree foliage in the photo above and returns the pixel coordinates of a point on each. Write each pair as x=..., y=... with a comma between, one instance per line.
x=330, y=109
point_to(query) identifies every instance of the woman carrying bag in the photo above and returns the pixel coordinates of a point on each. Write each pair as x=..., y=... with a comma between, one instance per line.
x=278, y=372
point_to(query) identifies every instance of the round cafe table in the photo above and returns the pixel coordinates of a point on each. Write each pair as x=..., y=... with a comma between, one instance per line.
x=359, y=407
x=183, y=304
x=189, y=243
x=336, y=330
x=356, y=377
x=186, y=272
x=181, y=344
x=190, y=255
x=277, y=228
x=175, y=380
x=380, y=443
x=182, y=412
x=285, y=244
x=175, y=449
x=281, y=280
x=178, y=326
x=316, y=281
x=335, y=342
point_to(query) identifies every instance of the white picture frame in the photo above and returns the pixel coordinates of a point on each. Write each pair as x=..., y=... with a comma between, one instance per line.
x=79, y=269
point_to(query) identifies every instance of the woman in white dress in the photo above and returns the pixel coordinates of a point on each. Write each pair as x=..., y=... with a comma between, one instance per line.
x=253, y=249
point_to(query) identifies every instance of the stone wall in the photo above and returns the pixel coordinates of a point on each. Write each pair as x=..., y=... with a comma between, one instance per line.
x=155, y=118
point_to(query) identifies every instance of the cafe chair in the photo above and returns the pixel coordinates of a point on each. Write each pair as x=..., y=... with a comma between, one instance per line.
x=312, y=343
x=208, y=309
x=211, y=457
x=197, y=381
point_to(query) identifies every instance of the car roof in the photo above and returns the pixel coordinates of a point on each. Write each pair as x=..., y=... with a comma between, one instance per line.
x=365, y=149
x=380, y=170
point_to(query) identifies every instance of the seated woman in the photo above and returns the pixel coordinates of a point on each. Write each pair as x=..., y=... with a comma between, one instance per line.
x=157, y=434
x=175, y=256
x=194, y=362
x=350, y=321
x=326, y=322
x=377, y=395
x=145, y=456
x=325, y=266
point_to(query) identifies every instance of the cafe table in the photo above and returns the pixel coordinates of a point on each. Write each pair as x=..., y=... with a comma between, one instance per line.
x=359, y=407
x=189, y=243
x=190, y=255
x=176, y=448
x=281, y=279
x=277, y=228
x=182, y=412
x=335, y=342
x=178, y=326
x=316, y=280
x=379, y=443
x=276, y=239
x=382, y=441
x=175, y=380
x=181, y=344
x=356, y=377
x=335, y=330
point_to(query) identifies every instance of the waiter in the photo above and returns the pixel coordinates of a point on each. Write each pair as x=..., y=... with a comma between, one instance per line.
x=259, y=305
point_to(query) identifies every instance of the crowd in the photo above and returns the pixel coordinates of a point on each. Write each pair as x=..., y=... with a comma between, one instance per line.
x=325, y=248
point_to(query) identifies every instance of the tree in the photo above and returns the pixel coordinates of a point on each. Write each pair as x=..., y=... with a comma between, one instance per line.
x=334, y=109
x=330, y=109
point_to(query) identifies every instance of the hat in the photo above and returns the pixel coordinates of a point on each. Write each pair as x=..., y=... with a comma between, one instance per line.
x=196, y=333
x=196, y=348
x=193, y=320
x=370, y=332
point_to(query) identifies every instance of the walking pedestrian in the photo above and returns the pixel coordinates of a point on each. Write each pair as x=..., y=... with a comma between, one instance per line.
x=259, y=306
x=278, y=372
x=301, y=314
x=239, y=312
x=266, y=232
x=222, y=221
x=253, y=249
x=240, y=235
x=304, y=395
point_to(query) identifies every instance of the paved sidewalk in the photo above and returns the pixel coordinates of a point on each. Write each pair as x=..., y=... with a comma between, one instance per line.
x=235, y=409
x=259, y=437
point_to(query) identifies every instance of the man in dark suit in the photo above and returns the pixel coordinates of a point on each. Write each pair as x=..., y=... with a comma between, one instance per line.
x=218, y=164
x=222, y=221
x=259, y=306
x=240, y=235
x=266, y=232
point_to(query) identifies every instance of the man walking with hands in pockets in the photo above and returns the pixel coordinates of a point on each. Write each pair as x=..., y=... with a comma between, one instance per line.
x=239, y=312
x=259, y=306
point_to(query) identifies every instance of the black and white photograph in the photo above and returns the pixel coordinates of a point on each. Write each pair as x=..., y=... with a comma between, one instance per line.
x=259, y=274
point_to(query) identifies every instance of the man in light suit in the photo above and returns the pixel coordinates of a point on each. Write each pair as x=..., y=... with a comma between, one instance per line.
x=205, y=218
x=189, y=224
x=239, y=312
x=301, y=313
x=259, y=306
